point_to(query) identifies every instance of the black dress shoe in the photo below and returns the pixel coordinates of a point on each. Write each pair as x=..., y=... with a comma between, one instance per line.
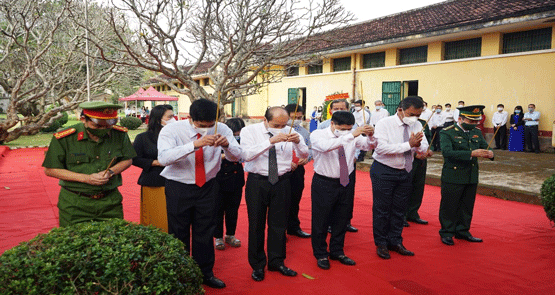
x=300, y=233
x=284, y=270
x=399, y=248
x=469, y=238
x=343, y=259
x=383, y=252
x=258, y=274
x=448, y=241
x=351, y=228
x=323, y=263
x=213, y=282
x=418, y=220
x=406, y=224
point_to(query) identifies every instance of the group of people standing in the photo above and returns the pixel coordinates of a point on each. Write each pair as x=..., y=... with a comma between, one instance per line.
x=193, y=177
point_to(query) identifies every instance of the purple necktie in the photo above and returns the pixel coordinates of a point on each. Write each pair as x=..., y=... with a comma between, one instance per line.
x=408, y=154
x=343, y=169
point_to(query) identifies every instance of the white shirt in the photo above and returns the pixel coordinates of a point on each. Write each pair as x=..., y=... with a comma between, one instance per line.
x=426, y=114
x=448, y=115
x=534, y=116
x=391, y=147
x=456, y=114
x=176, y=151
x=378, y=115
x=255, y=143
x=499, y=119
x=362, y=118
x=325, y=150
x=437, y=120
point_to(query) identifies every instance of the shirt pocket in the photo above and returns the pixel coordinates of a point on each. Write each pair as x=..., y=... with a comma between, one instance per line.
x=78, y=163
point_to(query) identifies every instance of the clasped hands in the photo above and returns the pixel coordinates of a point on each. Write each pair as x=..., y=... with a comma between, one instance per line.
x=283, y=137
x=481, y=153
x=364, y=129
x=211, y=140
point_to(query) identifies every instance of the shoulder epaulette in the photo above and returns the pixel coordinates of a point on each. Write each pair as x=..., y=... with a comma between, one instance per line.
x=449, y=128
x=119, y=128
x=64, y=133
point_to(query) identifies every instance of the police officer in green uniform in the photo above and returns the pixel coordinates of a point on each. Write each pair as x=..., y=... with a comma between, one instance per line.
x=419, y=167
x=461, y=144
x=88, y=158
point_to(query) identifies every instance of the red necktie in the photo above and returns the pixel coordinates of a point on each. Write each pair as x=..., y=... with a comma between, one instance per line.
x=200, y=175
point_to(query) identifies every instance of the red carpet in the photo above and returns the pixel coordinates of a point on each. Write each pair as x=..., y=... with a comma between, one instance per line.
x=515, y=258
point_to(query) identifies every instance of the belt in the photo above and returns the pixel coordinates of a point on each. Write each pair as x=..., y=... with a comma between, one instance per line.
x=96, y=196
x=262, y=177
x=327, y=178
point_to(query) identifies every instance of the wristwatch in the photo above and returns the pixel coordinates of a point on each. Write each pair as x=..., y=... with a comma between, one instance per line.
x=111, y=172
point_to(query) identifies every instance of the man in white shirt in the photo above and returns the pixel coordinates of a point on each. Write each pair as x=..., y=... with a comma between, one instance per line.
x=448, y=116
x=379, y=113
x=399, y=137
x=362, y=116
x=268, y=152
x=191, y=151
x=436, y=124
x=297, y=175
x=456, y=112
x=333, y=184
x=499, y=121
x=336, y=105
x=426, y=113
x=531, y=122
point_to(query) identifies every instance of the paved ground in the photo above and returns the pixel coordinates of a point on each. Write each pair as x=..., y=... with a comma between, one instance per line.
x=514, y=176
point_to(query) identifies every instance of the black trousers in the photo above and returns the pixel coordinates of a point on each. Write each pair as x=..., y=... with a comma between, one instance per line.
x=297, y=188
x=531, y=138
x=435, y=142
x=501, y=137
x=390, y=189
x=228, y=206
x=331, y=202
x=418, y=183
x=267, y=202
x=456, y=208
x=190, y=206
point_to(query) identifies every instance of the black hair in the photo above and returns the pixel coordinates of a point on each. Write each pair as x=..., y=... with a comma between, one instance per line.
x=343, y=118
x=461, y=101
x=500, y=105
x=339, y=101
x=235, y=124
x=155, y=119
x=168, y=106
x=358, y=101
x=203, y=110
x=290, y=108
x=519, y=108
x=411, y=101
x=531, y=104
x=271, y=112
x=447, y=104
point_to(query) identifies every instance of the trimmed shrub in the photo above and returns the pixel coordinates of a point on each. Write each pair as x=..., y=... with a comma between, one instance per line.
x=130, y=123
x=57, y=124
x=547, y=194
x=110, y=257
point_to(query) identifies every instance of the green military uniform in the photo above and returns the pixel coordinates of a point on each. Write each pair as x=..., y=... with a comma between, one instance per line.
x=72, y=149
x=418, y=180
x=459, y=177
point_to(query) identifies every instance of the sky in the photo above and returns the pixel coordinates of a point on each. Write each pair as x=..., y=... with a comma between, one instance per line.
x=366, y=10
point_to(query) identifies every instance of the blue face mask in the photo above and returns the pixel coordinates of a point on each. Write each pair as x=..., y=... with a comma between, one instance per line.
x=517, y=111
x=438, y=111
x=531, y=110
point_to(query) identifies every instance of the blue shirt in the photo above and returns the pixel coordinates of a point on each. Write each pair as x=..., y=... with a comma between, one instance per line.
x=534, y=116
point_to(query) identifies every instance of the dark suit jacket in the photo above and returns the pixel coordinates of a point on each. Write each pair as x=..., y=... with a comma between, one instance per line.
x=145, y=145
x=520, y=121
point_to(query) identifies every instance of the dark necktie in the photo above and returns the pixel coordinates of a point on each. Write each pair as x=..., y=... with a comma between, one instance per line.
x=343, y=169
x=200, y=174
x=408, y=154
x=272, y=165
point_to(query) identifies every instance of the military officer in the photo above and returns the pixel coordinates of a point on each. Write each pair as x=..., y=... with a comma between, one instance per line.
x=419, y=167
x=461, y=144
x=88, y=159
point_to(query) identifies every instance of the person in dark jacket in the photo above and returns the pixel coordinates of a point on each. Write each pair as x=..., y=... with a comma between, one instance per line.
x=153, y=198
x=231, y=179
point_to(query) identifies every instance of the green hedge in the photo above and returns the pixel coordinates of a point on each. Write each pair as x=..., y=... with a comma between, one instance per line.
x=111, y=257
x=547, y=193
x=130, y=123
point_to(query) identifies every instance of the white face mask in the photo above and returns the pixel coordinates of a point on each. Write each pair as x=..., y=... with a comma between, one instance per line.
x=296, y=122
x=170, y=120
x=202, y=131
x=409, y=120
x=358, y=109
x=461, y=105
x=340, y=133
x=447, y=109
x=378, y=107
x=500, y=109
x=275, y=131
x=424, y=108
x=438, y=111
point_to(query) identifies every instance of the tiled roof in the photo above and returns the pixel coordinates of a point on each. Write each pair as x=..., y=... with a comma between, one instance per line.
x=437, y=17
